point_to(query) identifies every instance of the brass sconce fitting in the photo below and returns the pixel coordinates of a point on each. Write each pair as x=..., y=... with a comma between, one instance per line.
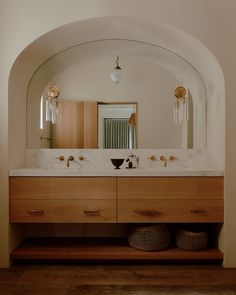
x=53, y=91
x=180, y=92
x=45, y=138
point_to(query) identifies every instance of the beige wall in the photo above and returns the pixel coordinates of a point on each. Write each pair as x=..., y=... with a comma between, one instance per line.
x=212, y=22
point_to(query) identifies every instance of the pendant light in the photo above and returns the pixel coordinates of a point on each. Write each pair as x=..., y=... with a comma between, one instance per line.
x=116, y=74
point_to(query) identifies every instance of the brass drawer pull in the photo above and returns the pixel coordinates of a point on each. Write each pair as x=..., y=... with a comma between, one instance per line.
x=92, y=213
x=147, y=212
x=198, y=211
x=36, y=212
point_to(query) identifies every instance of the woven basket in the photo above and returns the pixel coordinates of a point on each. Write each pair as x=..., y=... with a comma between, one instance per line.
x=149, y=237
x=190, y=240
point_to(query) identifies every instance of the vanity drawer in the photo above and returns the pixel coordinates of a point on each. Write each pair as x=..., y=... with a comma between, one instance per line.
x=83, y=188
x=46, y=211
x=170, y=187
x=170, y=211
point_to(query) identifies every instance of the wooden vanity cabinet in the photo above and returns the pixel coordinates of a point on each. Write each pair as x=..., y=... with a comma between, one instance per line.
x=62, y=200
x=170, y=199
x=121, y=199
x=113, y=200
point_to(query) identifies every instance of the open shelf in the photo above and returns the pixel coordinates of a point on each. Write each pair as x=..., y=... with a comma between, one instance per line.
x=101, y=249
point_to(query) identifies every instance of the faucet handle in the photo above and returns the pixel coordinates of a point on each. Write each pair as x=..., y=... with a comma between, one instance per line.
x=172, y=158
x=82, y=158
x=162, y=158
x=60, y=158
x=152, y=158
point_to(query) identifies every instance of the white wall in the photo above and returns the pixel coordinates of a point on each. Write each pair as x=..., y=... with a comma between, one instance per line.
x=210, y=21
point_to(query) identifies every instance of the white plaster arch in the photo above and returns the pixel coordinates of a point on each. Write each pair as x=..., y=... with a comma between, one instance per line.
x=129, y=28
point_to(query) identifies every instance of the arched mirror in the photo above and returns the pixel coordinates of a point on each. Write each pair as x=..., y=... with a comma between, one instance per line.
x=138, y=111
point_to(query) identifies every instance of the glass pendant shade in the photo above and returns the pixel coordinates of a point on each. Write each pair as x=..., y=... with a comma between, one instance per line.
x=116, y=75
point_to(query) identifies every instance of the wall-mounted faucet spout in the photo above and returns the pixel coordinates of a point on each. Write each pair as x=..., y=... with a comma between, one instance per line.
x=70, y=158
x=164, y=159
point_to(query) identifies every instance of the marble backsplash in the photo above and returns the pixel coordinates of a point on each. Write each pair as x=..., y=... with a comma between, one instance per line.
x=100, y=159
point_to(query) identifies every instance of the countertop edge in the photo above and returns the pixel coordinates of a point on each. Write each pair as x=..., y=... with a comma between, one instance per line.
x=111, y=172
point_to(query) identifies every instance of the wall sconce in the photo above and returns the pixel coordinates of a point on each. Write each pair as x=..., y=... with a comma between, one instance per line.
x=52, y=109
x=116, y=74
x=181, y=105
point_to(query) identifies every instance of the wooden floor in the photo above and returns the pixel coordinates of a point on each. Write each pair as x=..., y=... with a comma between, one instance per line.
x=117, y=279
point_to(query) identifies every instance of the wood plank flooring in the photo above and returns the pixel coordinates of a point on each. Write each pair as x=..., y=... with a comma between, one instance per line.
x=117, y=279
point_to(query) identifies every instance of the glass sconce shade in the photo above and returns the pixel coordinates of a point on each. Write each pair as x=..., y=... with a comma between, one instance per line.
x=48, y=109
x=181, y=110
x=181, y=107
x=52, y=109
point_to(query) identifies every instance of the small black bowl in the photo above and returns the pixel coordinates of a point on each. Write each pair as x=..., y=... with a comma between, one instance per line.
x=117, y=162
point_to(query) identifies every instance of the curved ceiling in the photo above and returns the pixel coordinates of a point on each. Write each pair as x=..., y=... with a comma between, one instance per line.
x=183, y=70
x=172, y=39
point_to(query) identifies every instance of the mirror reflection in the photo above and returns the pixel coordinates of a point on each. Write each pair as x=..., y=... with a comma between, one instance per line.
x=117, y=125
x=95, y=111
x=84, y=124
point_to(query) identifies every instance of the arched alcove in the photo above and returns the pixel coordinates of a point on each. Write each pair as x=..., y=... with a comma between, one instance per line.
x=172, y=39
x=125, y=28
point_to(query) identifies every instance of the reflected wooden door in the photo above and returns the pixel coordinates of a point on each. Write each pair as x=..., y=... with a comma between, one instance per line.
x=77, y=127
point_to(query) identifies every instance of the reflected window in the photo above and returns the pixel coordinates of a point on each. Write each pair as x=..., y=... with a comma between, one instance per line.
x=117, y=125
x=119, y=134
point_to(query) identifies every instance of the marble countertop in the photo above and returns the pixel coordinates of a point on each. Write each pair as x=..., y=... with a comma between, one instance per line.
x=114, y=172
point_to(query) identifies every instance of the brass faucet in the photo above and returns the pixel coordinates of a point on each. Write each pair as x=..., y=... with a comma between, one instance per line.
x=165, y=159
x=70, y=158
